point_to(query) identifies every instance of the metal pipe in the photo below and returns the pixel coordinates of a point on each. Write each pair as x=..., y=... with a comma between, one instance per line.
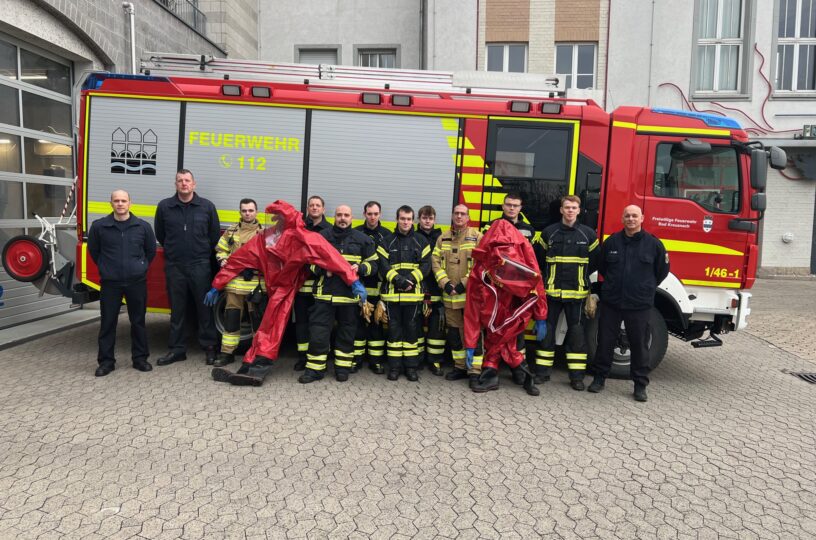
x=423, y=31
x=651, y=56
x=606, y=64
x=130, y=10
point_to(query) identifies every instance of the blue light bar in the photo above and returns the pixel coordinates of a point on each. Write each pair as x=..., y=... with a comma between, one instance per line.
x=711, y=120
x=95, y=80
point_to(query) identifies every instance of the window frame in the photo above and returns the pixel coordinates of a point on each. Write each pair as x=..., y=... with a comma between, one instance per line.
x=338, y=50
x=360, y=50
x=574, y=63
x=506, y=55
x=744, y=59
x=796, y=42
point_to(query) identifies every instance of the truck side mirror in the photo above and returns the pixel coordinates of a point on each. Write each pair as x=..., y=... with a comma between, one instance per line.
x=759, y=168
x=779, y=159
x=758, y=202
x=695, y=146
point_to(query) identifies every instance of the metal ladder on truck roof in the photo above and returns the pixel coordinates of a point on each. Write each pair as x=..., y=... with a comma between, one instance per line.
x=465, y=82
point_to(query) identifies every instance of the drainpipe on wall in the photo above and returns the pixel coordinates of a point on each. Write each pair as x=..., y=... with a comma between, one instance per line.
x=129, y=9
x=606, y=67
x=651, y=55
x=423, y=33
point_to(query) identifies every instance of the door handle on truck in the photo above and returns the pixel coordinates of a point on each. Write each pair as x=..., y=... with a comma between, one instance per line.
x=739, y=224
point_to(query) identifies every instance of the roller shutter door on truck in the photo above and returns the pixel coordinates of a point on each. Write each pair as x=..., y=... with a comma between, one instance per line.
x=394, y=159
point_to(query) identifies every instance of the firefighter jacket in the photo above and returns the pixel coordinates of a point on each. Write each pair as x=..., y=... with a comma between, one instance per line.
x=187, y=232
x=233, y=238
x=571, y=256
x=504, y=292
x=404, y=257
x=356, y=248
x=283, y=265
x=432, y=290
x=452, y=261
x=632, y=268
x=308, y=286
x=379, y=235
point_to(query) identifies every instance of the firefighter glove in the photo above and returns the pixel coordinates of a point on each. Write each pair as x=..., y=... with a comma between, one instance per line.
x=366, y=310
x=449, y=289
x=426, y=309
x=211, y=297
x=358, y=289
x=540, y=330
x=248, y=274
x=469, y=357
x=380, y=313
x=460, y=288
x=441, y=309
x=591, y=306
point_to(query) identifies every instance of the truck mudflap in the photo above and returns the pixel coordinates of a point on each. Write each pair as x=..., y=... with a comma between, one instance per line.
x=740, y=321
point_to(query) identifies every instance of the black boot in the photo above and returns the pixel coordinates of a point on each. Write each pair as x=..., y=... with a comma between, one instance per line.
x=300, y=365
x=542, y=375
x=436, y=369
x=640, y=393
x=518, y=375
x=310, y=376
x=250, y=374
x=487, y=381
x=456, y=374
x=411, y=374
x=224, y=359
x=597, y=384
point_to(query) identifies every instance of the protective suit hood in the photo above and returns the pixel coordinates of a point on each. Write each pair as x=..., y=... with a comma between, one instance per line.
x=280, y=217
x=506, y=262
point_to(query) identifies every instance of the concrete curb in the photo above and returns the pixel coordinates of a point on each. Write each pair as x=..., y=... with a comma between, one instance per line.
x=22, y=333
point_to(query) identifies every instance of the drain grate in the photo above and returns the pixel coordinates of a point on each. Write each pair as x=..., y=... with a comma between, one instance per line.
x=807, y=377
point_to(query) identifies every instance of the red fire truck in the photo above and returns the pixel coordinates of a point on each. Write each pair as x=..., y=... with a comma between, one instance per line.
x=287, y=131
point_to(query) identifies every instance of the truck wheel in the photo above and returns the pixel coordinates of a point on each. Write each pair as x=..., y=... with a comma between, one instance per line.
x=25, y=258
x=246, y=328
x=621, y=358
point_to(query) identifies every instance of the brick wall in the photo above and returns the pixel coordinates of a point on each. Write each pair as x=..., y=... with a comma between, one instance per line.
x=577, y=20
x=541, y=51
x=507, y=21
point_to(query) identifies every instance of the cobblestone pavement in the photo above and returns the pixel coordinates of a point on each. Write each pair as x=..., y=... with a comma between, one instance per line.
x=724, y=448
x=785, y=315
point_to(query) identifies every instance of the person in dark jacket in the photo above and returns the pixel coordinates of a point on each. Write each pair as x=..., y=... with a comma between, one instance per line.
x=188, y=228
x=336, y=302
x=431, y=325
x=633, y=263
x=122, y=247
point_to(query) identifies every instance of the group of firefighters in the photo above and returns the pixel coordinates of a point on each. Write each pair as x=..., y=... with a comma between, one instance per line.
x=394, y=300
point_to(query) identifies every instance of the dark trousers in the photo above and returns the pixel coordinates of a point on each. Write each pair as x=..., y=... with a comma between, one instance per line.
x=434, y=335
x=322, y=316
x=186, y=282
x=110, y=302
x=303, y=302
x=574, y=344
x=403, y=335
x=636, y=323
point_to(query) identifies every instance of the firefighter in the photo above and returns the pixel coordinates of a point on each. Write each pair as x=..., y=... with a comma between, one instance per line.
x=241, y=288
x=370, y=336
x=511, y=212
x=431, y=324
x=571, y=256
x=632, y=263
x=315, y=221
x=451, y=262
x=405, y=261
x=281, y=254
x=335, y=302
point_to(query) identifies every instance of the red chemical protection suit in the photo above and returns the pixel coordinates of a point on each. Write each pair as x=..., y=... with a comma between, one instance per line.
x=504, y=292
x=282, y=260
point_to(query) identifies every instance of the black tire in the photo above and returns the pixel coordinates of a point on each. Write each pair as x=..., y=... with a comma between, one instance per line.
x=246, y=329
x=658, y=344
x=25, y=258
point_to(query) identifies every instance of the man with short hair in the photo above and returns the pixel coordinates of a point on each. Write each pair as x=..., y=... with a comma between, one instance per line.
x=432, y=339
x=371, y=335
x=571, y=256
x=405, y=261
x=316, y=222
x=240, y=288
x=122, y=247
x=188, y=228
x=633, y=263
x=451, y=261
x=335, y=302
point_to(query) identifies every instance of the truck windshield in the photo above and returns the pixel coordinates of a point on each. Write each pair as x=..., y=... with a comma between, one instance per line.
x=711, y=179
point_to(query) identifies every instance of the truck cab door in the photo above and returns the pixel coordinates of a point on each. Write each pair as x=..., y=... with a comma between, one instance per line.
x=535, y=158
x=691, y=197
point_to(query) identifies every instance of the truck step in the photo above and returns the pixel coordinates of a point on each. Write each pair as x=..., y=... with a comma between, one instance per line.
x=711, y=341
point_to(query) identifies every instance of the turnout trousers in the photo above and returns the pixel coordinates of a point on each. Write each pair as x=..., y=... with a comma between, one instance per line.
x=303, y=302
x=636, y=323
x=455, y=321
x=370, y=339
x=403, y=335
x=110, y=302
x=322, y=316
x=574, y=344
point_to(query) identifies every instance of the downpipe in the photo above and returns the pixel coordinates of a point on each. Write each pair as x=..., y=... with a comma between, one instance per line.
x=131, y=12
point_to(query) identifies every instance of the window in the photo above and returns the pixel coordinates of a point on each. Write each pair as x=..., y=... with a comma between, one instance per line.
x=576, y=63
x=711, y=180
x=8, y=60
x=507, y=57
x=9, y=106
x=719, y=45
x=380, y=58
x=10, y=153
x=317, y=56
x=45, y=73
x=48, y=115
x=796, y=46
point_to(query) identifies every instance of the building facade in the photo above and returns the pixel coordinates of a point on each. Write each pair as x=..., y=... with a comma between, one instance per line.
x=752, y=60
x=45, y=46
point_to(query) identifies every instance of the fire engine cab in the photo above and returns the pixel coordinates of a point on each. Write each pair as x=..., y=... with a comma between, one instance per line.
x=287, y=131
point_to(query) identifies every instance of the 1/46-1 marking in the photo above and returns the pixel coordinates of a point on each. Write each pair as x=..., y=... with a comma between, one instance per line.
x=721, y=272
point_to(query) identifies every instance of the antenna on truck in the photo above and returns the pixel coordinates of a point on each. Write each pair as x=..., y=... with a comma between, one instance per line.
x=465, y=82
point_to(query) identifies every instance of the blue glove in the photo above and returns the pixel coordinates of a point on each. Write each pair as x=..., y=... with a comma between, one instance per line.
x=211, y=297
x=540, y=330
x=469, y=357
x=358, y=289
